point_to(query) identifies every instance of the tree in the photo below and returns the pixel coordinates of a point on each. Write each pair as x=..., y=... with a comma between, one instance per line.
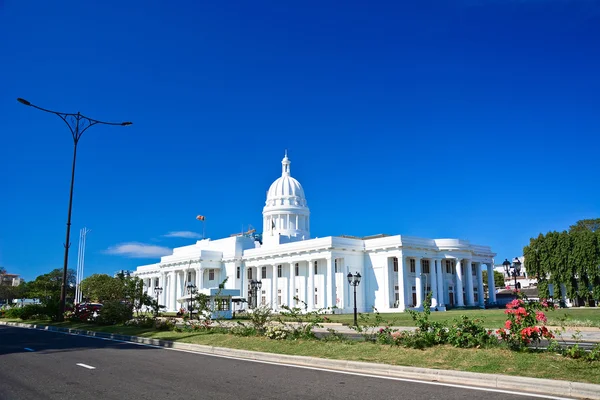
x=570, y=260
x=48, y=285
x=591, y=225
x=498, y=278
x=102, y=287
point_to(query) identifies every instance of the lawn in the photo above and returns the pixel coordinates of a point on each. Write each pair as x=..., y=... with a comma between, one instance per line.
x=497, y=360
x=493, y=318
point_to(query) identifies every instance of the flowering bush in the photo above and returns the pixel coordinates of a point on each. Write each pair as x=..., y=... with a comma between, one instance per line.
x=525, y=323
x=276, y=332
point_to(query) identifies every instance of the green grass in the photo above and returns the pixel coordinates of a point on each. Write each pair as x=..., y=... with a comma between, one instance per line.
x=497, y=360
x=493, y=318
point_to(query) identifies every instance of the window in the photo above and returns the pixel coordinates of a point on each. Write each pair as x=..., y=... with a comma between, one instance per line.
x=263, y=300
x=296, y=298
x=279, y=297
x=395, y=261
x=316, y=267
x=239, y=270
x=189, y=276
x=412, y=265
x=263, y=272
x=316, y=299
x=335, y=265
x=249, y=273
x=297, y=270
x=474, y=270
x=425, y=264
x=156, y=282
x=450, y=268
x=222, y=304
x=211, y=274
x=279, y=271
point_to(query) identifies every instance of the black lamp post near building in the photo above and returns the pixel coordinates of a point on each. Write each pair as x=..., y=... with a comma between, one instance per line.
x=191, y=289
x=255, y=287
x=77, y=124
x=354, y=280
x=157, y=292
x=513, y=269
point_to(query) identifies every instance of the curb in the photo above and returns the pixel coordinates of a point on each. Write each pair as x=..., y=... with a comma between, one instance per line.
x=501, y=382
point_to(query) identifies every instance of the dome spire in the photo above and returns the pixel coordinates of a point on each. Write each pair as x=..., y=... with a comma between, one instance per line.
x=285, y=165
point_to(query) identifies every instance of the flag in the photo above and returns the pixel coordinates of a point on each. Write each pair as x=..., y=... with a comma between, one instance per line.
x=200, y=217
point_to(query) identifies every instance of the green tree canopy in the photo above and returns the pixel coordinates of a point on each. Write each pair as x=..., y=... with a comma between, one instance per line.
x=102, y=287
x=591, y=225
x=49, y=285
x=570, y=258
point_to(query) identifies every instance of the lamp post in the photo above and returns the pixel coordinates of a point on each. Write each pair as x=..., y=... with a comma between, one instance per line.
x=77, y=124
x=191, y=289
x=255, y=287
x=354, y=280
x=157, y=292
x=513, y=269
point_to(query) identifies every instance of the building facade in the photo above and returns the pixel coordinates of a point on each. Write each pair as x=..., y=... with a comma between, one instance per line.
x=397, y=271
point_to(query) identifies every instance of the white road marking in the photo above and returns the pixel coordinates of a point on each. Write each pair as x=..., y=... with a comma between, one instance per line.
x=28, y=349
x=482, y=389
x=86, y=366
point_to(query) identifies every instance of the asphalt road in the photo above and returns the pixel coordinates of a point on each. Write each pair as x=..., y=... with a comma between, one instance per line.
x=44, y=365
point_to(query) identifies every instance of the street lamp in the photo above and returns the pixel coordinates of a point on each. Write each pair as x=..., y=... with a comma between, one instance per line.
x=255, y=287
x=157, y=292
x=514, y=269
x=191, y=289
x=77, y=124
x=354, y=280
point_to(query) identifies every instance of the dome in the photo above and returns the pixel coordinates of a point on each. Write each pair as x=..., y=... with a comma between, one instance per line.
x=285, y=215
x=285, y=190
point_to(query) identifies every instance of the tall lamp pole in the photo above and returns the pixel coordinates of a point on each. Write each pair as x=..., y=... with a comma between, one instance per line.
x=157, y=292
x=191, y=289
x=354, y=280
x=77, y=124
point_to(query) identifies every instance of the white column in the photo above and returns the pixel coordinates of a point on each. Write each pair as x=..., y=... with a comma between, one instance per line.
x=491, y=284
x=172, y=291
x=199, y=280
x=469, y=282
x=292, y=285
x=433, y=284
x=480, y=299
x=440, y=283
x=401, y=291
x=330, y=283
x=163, y=284
x=310, y=287
x=459, y=284
x=418, y=284
x=274, y=304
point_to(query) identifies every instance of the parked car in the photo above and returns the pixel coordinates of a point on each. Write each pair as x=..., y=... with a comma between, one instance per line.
x=87, y=311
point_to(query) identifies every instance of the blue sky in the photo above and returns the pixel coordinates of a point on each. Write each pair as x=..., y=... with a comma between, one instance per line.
x=470, y=119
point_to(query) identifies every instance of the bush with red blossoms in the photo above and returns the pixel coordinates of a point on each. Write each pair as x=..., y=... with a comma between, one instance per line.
x=525, y=322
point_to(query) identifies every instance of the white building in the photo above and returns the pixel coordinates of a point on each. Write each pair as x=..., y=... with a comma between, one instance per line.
x=397, y=271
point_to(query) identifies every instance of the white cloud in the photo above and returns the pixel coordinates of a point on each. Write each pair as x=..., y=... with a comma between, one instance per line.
x=184, y=234
x=138, y=250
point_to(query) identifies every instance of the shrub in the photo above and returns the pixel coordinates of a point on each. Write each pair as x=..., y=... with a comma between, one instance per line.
x=468, y=333
x=277, y=333
x=165, y=324
x=115, y=312
x=243, y=330
x=33, y=310
x=260, y=317
x=521, y=328
x=142, y=321
x=14, y=312
x=299, y=322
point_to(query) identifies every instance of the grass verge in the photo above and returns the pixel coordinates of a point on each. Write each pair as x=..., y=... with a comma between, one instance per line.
x=495, y=361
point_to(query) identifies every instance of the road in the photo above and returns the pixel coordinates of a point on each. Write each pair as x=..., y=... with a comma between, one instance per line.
x=46, y=365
